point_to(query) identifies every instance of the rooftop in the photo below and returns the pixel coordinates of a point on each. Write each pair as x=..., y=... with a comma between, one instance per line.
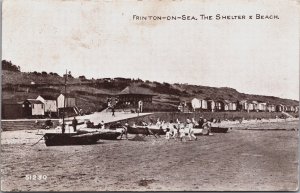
x=135, y=90
x=48, y=97
x=34, y=101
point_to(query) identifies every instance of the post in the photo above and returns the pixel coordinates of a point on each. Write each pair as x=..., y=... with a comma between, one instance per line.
x=63, y=125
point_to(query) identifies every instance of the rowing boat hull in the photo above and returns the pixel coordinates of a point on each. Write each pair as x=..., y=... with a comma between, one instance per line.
x=59, y=139
x=145, y=130
x=110, y=135
x=107, y=135
x=219, y=129
x=138, y=130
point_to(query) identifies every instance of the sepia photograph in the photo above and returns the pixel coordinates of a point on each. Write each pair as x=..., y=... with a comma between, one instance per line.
x=150, y=95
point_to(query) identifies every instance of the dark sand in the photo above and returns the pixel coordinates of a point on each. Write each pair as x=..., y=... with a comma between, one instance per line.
x=239, y=160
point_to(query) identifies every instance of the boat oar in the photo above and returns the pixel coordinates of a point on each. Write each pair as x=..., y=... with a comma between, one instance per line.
x=38, y=141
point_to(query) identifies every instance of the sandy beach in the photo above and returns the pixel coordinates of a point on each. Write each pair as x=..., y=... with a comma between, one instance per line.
x=238, y=160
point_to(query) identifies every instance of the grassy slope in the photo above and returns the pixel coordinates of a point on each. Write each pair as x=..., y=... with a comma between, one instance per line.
x=92, y=94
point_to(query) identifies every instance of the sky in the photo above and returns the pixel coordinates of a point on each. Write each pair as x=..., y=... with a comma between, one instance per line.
x=101, y=39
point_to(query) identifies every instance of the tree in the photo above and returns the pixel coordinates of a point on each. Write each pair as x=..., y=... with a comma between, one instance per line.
x=7, y=65
x=82, y=77
x=44, y=73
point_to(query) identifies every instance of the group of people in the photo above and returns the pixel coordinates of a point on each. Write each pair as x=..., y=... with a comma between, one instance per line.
x=172, y=129
x=178, y=130
x=181, y=129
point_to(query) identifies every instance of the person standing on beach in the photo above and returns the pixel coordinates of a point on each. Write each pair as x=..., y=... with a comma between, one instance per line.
x=102, y=124
x=74, y=123
x=182, y=132
x=125, y=131
x=176, y=128
x=113, y=111
x=168, y=133
x=207, y=125
x=191, y=131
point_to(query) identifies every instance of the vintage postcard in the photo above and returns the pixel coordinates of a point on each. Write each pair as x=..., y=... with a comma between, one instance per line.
x=150, y=95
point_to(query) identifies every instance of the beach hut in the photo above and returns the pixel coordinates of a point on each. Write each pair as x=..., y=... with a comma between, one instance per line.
x=292, y=108
x=285, y=108
x=271, y=108
x=230, y=106
x=280, y=108
x=33, y=107
x=204, y=104
x=251, y=106
x=255, y=106
x=219, y=105
x=262, y=106
x=211, y=105
x=49, y=102
x=69, y=109
x=226, y=105
x=242, y=105
x=184, y=107
x=296, y=109
x=199, y=104
x=234, y=106
x=196, y=104
x=70, y=101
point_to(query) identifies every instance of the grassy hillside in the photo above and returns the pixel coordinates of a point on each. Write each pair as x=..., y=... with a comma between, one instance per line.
x=91, y=94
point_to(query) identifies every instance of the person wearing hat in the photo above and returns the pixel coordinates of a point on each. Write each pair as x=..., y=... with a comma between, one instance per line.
x=102, y=125
x=201, y=122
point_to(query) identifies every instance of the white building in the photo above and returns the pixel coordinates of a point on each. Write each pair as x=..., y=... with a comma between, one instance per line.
x=33, y=107
x=49, y=102
x=199, y=104
x=70, y=101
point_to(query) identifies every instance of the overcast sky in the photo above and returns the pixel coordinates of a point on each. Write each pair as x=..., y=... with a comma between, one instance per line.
x=100, y=39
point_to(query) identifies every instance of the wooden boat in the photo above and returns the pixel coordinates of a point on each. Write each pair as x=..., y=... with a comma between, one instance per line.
x=219, y=129
x=143, y=130
x=60, y=139
x=107, y=135
x=156, y=130
x=110, y=135
x=201, y=131
x=215, y=129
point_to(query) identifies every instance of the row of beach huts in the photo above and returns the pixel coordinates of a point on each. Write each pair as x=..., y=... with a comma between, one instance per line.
x=39, y=107
x=244, y=105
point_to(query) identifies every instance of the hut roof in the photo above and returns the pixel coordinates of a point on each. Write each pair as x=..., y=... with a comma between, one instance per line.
x=68, y=95
x=135, y=90
x=48, y=97
x=34, y=101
